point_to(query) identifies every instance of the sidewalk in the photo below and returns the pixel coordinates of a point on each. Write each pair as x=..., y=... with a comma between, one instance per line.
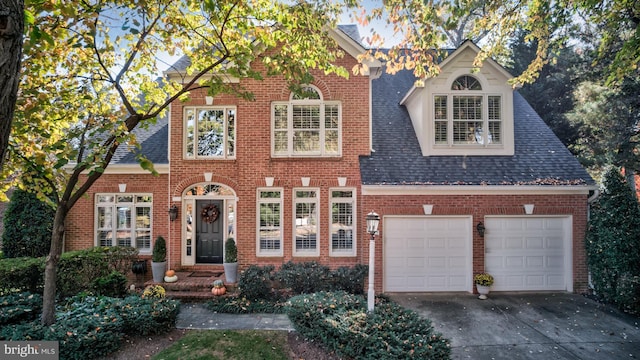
x=197, y=316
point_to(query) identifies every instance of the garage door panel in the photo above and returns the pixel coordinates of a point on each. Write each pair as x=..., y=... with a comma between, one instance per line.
x=527, y=253
x=441, y=246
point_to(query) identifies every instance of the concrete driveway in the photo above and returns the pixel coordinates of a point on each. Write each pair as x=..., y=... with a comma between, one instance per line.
x=528, y=326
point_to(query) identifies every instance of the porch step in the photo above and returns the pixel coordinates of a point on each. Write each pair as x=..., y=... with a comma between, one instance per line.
x=190, y=288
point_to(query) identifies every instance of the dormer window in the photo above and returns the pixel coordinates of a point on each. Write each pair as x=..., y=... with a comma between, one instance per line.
x=462, y=115
x=306, y=125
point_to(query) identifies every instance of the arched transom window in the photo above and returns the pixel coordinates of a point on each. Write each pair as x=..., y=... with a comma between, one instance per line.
x=461, y=116
x=306, y=125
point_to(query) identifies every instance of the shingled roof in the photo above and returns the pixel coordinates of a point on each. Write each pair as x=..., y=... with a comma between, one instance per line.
x=153, y=141
x=540, y=157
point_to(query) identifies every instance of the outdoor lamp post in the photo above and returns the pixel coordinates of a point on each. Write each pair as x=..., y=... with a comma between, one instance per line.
x=373, y=220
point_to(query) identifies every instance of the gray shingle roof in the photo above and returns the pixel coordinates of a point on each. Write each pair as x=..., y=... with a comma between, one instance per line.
x=153, y=141
x=540, y=158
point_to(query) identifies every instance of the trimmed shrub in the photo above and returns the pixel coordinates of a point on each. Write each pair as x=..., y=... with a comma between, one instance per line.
x=28, y=223
x=21, y=275
x=236, y=305
x=255, y=283
x=350, y=279
x=113, y=285
x=148, y=316
x=305, y=277
x=17, y=308
x=340, y=321
x=89, y=327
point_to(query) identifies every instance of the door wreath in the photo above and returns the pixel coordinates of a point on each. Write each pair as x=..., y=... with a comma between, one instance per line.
x=210, y=213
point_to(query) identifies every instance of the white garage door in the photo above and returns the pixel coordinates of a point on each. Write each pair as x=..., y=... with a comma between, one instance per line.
x=529, y=253
x=427, y=254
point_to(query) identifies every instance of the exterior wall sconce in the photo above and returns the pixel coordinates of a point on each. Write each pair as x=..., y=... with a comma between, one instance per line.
x=208, y=176
x=122, y=187
x=373, y=220
x=480, y=227
x=173, y=212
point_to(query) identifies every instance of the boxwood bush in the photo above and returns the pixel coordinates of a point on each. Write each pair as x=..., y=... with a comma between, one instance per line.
x=340, y=321
x=89, y=327
x=77, y=270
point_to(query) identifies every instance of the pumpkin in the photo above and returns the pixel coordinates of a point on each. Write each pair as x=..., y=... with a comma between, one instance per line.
x=217, y=291
x=170, y=273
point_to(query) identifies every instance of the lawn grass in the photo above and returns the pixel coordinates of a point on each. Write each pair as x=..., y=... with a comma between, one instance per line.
x=226, y=344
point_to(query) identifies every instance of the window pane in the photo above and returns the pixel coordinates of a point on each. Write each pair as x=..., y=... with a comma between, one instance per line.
x=125, y=199
x=341, y=194
x=342, y=226
x=231, y=132
x=494, y=108
x=105, y=217
x=306, y=141
x=331, y=142
x=467, y=132
x=210, y=132
x=440, y=132
x=306, y=227
x=104, y=238
x=143, y=218
x=495, y=132
x=467, y=107
x=440, y=107
x=306, y=116
x=270, y=229
x=331, y=116
x=106, y=198
x=280, y=142
x=466, y=82
x=269, y=194
x=190, y=129
x=143, y=239
x=280, y=117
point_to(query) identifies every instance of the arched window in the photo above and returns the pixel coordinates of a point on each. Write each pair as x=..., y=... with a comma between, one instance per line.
x=306, y=125
x=466, y=82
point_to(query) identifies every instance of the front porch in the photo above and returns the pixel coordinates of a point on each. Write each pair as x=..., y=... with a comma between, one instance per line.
x=194, y=285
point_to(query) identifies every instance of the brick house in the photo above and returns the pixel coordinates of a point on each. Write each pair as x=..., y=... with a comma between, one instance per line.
x=293, y=178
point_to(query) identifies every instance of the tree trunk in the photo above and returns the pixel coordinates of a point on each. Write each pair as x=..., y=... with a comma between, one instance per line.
x=11, y=30
x=51, y=267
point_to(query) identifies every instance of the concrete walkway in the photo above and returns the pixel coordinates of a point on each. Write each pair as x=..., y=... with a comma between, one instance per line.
x=197, y=316
x=557, y=326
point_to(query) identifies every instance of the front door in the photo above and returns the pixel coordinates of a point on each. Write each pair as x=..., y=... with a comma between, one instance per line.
x=209, y=231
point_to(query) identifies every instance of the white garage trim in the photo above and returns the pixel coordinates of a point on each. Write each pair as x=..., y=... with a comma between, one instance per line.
x=529, y=253
x=427, y=253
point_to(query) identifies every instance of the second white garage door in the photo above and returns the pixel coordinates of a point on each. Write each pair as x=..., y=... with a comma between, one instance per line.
x=427, y=254
x=529, y=253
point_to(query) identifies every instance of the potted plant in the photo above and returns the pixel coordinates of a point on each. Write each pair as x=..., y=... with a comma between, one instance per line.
x=483, y=283
x=230, y=261
x=218, y=288
x=159, y=259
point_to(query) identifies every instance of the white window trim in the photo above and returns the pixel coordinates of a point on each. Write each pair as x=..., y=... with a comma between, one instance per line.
x=114, y=204
x=195, y=136
x=269, y=253
x=450, y=121
x=289, y=104
x=354, y=233
x=423, y=108
x=316, y=251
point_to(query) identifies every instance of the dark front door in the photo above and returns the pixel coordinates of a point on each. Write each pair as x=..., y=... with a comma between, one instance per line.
x=210, y=231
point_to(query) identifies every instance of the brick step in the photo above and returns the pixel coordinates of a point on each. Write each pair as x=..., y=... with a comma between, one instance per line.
x=190, y=295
